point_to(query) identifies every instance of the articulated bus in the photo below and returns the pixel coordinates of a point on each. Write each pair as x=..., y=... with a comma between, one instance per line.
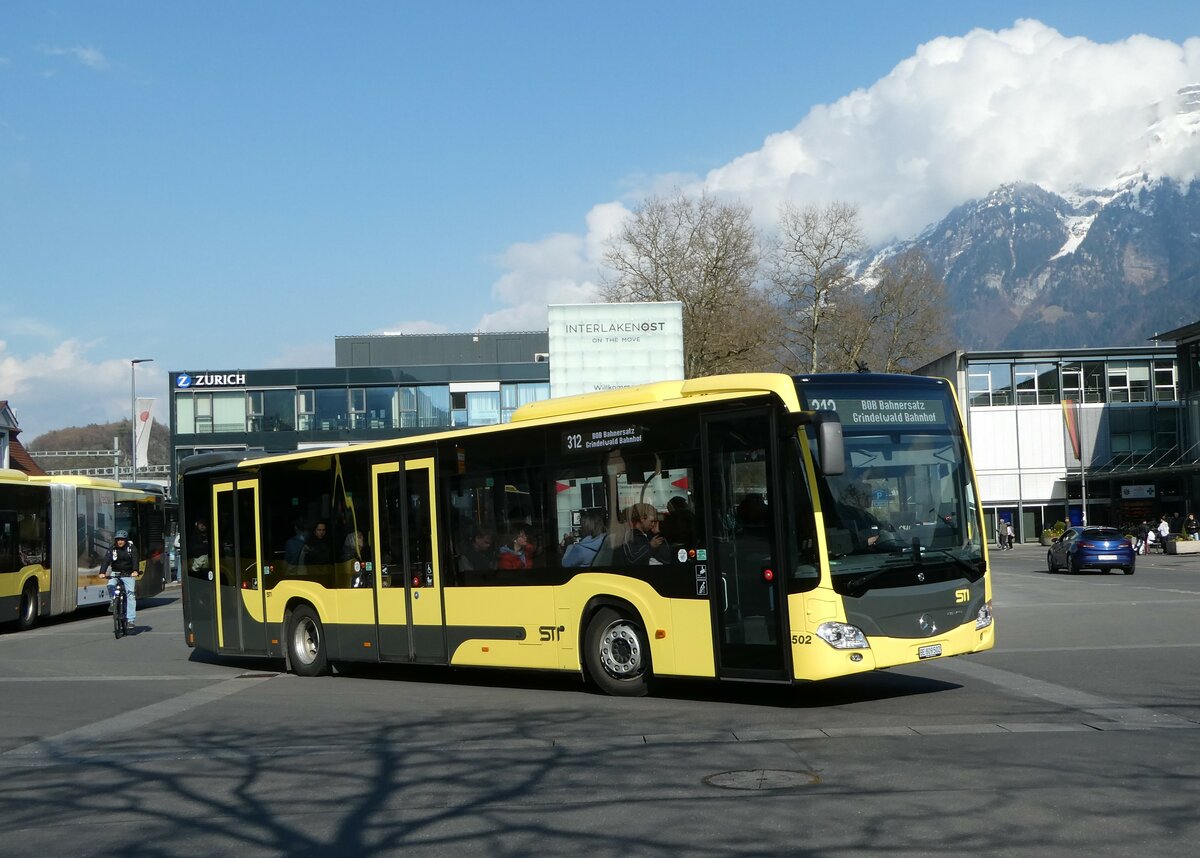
x=53, y=535
x=754, y=527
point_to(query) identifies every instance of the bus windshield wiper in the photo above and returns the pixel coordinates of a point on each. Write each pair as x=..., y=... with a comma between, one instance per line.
x=975, y=570
x=859, y=585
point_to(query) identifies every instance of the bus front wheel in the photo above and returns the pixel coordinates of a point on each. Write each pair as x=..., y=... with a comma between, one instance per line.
x=616, y=654
x=306, y=643
x=27, y=618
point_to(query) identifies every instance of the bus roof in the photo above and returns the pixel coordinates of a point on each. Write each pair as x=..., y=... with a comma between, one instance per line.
x=661, y=392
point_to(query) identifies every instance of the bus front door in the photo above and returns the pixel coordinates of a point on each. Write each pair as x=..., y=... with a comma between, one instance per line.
x=408, y=584
x=235, y=539
x=744, y=591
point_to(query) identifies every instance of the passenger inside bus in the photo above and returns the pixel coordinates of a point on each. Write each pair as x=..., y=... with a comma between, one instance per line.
x=583, y=551
x=643, y=545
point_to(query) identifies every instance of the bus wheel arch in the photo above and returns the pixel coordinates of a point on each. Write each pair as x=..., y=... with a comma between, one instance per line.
x=306, y=646
x=28, y=614
x=616, y=648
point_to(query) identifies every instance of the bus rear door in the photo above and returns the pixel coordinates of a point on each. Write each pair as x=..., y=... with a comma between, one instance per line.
x=408, y=584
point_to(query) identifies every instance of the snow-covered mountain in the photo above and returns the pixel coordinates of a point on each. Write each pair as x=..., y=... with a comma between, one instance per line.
x=1026, y=267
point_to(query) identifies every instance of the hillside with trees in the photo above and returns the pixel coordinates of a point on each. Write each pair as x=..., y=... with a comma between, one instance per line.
x=98, y=436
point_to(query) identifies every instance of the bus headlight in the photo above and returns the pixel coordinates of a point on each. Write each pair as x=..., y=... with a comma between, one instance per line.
x=984, y=618
x=842, y=636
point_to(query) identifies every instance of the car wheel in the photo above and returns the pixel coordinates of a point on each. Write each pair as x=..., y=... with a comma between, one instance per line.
x=1128, y=570
x=1071, y=567
x=1051, y=567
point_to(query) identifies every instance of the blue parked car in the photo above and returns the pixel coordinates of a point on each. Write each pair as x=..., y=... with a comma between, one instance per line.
x=1103, y=548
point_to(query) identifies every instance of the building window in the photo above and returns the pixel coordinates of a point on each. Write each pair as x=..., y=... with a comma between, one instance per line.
x=185, y=414
x=254, y=409
x=990, y=384
x=306, y=406
x=358, y=408
x=1164, y=381
x=1036, y=383
x=204, y=413
x=458, y=408
x=483, y=407
x=513, y=396
x=1093, y=381
x=382, y=408
x=331, y=412
x=229, y=412
x=279, y=411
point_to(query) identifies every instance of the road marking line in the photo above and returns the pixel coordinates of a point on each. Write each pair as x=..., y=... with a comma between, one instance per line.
x=1027, y=686
x=52, y=748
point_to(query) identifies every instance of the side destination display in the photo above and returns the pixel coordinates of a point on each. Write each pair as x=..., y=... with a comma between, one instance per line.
x=864, y=411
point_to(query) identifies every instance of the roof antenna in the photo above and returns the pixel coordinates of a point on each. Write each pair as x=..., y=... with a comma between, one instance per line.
x=862, y=366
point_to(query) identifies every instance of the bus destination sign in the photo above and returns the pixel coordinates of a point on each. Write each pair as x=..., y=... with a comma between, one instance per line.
x=885, y=411
x=602, y=438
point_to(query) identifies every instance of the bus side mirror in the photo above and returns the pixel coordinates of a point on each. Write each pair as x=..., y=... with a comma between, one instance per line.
x=831, y=452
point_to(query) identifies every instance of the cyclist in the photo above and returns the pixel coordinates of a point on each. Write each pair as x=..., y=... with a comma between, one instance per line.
x=121, y=565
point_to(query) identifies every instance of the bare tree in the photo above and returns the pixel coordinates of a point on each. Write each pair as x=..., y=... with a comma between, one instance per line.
x=812, y=274
x=909, y=315
x=704, y=254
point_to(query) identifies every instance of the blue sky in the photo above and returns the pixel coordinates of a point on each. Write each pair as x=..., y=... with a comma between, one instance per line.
x=230, y=185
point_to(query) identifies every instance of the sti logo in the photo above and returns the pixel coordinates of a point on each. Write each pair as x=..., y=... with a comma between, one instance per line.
x=183, y=380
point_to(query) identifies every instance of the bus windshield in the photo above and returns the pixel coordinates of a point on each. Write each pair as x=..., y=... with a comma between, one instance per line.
x=905, y=502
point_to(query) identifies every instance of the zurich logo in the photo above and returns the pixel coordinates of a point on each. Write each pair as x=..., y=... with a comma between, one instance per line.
x=183, y=380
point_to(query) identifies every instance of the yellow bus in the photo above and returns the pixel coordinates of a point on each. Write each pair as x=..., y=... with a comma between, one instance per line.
x=744, y=527
x=53, y=534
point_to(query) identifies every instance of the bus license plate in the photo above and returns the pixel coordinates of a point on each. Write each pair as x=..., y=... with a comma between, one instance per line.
x=930, y=651
x=1108, y=557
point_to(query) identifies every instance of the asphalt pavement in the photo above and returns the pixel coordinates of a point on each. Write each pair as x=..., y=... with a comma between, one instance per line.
x=1078, y=735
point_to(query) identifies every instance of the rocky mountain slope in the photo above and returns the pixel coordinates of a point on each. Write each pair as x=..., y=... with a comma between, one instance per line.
x=1026, y=267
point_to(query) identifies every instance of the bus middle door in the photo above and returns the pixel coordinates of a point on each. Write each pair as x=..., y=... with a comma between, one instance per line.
x=235, y=540
x=408, y=584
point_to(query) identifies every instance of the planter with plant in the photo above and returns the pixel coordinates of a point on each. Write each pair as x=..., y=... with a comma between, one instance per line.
x=1053, y=532
x=1181, y=544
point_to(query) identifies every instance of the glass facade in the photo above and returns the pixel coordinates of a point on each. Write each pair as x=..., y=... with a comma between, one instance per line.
x=1050, y=382
x=320, y=409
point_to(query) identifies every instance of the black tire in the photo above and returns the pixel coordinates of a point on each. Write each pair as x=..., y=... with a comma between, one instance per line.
x=28, y=616
x=119, y=607
x=307, y=652
x=616, y=654
x=1128, y=570
x=1051, y=567
x=1071, y=567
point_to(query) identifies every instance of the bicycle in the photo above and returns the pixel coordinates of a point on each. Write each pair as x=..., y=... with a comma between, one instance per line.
x=120, y=606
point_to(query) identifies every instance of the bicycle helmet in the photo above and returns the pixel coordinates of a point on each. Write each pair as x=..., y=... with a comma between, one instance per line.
x=122, y=534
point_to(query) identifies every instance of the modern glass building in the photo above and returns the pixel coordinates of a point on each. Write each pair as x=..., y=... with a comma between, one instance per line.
x=1126, y=458
x=382, y=387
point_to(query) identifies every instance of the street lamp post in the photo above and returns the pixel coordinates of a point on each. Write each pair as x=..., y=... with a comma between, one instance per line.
x=133, y=413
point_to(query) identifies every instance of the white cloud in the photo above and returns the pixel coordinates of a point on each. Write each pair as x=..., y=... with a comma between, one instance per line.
x=65, y=387
x=968, y=113
x=88, y=56
x=959, y=117
x=561, y=269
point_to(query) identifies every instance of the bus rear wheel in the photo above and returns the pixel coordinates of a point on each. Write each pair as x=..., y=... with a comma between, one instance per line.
x=27, y=618
x=616, y=654
x=306, y=643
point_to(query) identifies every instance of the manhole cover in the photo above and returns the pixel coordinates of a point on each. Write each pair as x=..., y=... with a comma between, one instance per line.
x=759, y=779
